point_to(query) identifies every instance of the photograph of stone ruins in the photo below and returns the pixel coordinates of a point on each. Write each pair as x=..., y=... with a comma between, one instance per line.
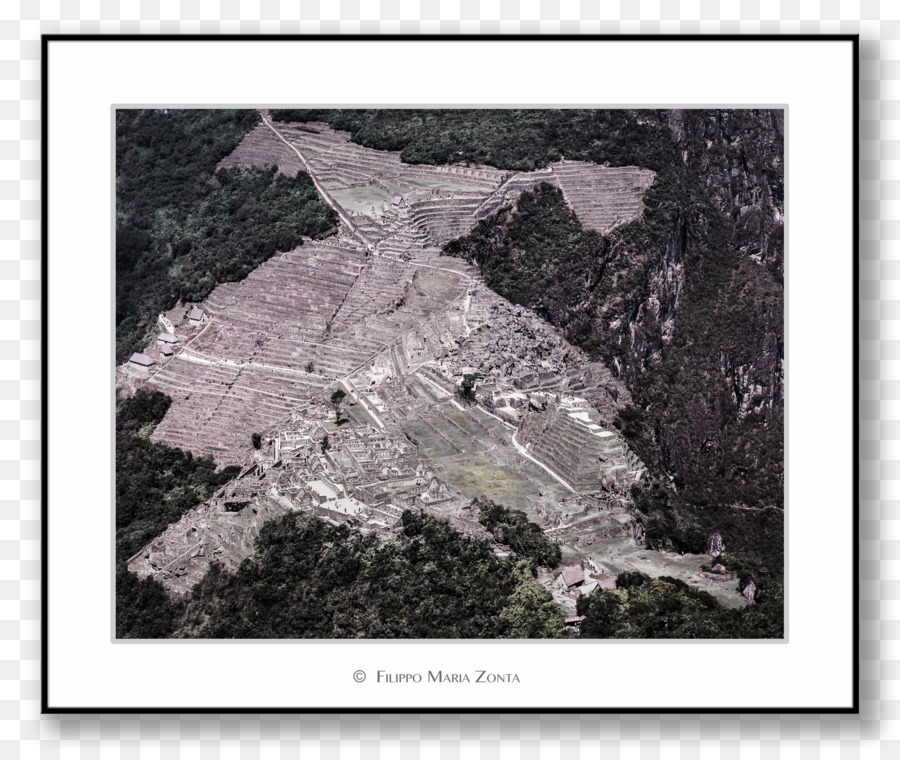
x=449, y=373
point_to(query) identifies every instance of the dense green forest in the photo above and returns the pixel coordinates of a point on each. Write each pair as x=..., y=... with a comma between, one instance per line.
x=182, y=228
x=666, y=608
x=534, y=253
x=516, y=139
x=309, y=579
x=513, y=528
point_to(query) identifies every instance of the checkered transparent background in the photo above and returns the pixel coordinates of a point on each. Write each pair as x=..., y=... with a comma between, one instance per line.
x=24, y=733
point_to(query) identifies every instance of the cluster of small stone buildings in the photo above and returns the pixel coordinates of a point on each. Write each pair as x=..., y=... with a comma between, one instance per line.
x=364, y=475
x=167, y=343
x=572, y=580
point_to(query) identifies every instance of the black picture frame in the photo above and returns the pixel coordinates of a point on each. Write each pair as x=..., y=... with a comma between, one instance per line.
x=49, y=706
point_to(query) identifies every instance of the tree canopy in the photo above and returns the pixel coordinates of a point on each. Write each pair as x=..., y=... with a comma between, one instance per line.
x=309, y=579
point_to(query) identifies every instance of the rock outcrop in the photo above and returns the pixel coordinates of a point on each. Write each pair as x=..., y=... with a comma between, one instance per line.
x=715, y=546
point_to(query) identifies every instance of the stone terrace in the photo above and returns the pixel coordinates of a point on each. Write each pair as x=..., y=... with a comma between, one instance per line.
x=568, y=438
x=247, y=369
x=442, y=199
x=261, y=147
x=444, y=202
x=602, y=196
x=280, y=314
x=341, y=164
x=216, y=407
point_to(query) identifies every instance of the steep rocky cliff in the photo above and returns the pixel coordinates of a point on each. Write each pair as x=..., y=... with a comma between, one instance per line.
x=716, y=297
x=739, y=157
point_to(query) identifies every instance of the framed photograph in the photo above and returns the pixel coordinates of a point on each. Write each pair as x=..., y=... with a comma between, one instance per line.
x=450, y=374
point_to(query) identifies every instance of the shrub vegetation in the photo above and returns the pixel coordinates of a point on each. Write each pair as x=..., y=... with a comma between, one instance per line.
x=666, y=608
x=513, y=528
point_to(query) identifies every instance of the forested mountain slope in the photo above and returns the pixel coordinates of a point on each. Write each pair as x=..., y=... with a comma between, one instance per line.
x=181, y=228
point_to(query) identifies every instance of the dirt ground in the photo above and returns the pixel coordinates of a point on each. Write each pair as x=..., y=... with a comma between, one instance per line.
x=360, y=200
x=499, y=473
x=618, y=555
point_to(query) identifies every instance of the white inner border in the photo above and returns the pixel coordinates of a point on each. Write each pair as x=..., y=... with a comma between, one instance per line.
x=812, y=670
